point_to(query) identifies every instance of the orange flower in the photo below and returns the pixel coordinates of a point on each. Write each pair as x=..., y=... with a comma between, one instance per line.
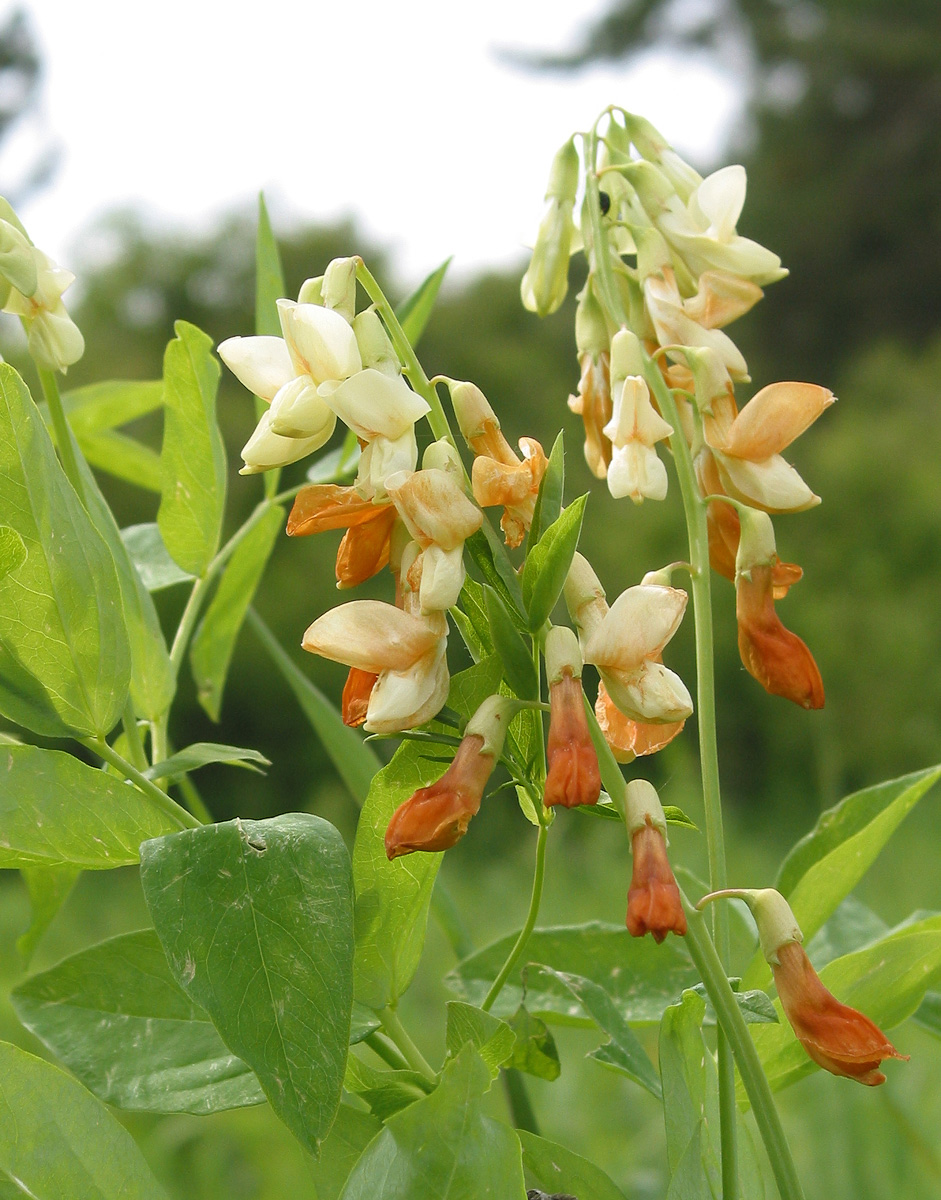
x=593, y=405
x=838, y=1038
x=631, y=739
x=364, y=549
x=653, y=899
x=356, y=692
x=574, y=777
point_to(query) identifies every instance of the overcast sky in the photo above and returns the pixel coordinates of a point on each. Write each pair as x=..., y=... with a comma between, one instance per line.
x=402, y=114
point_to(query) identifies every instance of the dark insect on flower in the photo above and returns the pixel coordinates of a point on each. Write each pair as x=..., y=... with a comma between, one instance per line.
x=604, y=201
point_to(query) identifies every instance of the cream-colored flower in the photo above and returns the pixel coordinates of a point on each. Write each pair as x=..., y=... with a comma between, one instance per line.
x=634, y=429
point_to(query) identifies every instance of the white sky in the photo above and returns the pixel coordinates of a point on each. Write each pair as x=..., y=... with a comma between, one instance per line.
x=396, y=112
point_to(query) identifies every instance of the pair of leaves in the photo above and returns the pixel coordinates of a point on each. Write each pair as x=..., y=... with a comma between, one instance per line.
x=95, y=410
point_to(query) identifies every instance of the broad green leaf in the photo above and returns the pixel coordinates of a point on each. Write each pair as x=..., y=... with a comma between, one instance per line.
x=887, y=981
x=151, y=558
x=192, y=461
x=64, y=657
x=469, y=689
x=214, y=642
x=392, y=898
x=200, y=754
x=269, y=277
x=152, y=681
x=472, y=621
x=558, y=1170
x=99, y=406
x=123, y=457
x=56, y=811
x=356, y=763
x=623, y=1052
x=755, y=1005
x=490, y=557
x=386, y=1092
x=48, y=889
x=549, y=501
x=349, y=1136
x=414, y=312
x=928, y=1014
x=547, y=564
x=492, y=1038
x=115, y=1016
x=683, y=1073
x=443, y=1147
x=641, y=977
x=852, y=926
x=535, y=1050
x=515, y=655
x=826, y=865
x=364, y=1023
x=255, y=918
x=58, y=1141
x=12, y=550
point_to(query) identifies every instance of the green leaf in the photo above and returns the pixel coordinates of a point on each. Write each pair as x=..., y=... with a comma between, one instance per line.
x=364, y=1023
x=443, y=1147
x=255, y=918
x=472, y=621
x=123, y=457
x=64, y=656
x=641, y=977
x=214, y=641
x=392, y=898
x=414, y=312
x=338, y=464
x=200, y=754
x=558, y=1170
x=826, y=865
x=12, y=550
x=152, y=680
x=48, y=889
x=928, y=1014
x=490, y=557
x=56, y=811
x=99, y=406
x=549, y=501
x=386, y=1092
x=683, y=1057
x=151, y=558
x=623, y=1052
x=356, y=763
x=547, y=564
x=57, y=1140
x=192, y=461
x=887, y=981
x=492, y=1038
x=512, y=651
x=676, y=816
x=115, y=1016
x=351, y=1133
x=756, y=1006
x=269, y=276
x=535, y=1050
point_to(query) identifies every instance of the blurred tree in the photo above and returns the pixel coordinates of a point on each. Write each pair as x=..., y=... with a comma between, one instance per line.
x=843, y=108
x=20, y=73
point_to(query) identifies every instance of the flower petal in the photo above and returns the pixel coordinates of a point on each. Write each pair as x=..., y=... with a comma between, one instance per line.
x=772, y=485
x=370, y=635
x=403, y=699
x=321, y=343
x=374, y=404
x=637, y=626
x=262, y=364
x=774, y=417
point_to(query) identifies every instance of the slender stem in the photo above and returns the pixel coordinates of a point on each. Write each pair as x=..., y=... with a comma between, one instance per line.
x=518, y=1101
x=695, y=512
x=158, y=798
x=703, y=954
x=194, y=802
x=132, y=733
x=534, y=901
x=410, y=1052
x=50, y=390
x=437, y=418
x=381, y=1045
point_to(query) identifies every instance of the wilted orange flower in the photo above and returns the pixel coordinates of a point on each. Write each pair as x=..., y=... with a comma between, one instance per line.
x=356, y=692
x=631, y=739
x=777, y=658
x=838, y=1038
x=593, y=405
x=653, y=899
x=364, y=549
x=574, y=777
x=436, y=817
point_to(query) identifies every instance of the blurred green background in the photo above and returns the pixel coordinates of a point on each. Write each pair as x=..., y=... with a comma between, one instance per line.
x=844, y=160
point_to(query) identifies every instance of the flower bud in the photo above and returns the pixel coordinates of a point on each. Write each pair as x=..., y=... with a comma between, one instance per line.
x=573, y=776
x=838, y=1038
x=311, y=291
x=653, y=900
x=339, y=287
x=546, y=280
x=17, y=261
x=54, y=340
x=266, y=449
x=375, y=346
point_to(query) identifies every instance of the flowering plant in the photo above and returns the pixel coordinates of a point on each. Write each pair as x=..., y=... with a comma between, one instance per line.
x=278, y=956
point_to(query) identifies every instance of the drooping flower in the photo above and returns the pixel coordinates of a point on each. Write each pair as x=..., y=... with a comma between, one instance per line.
x=630, y=739
x=436, y=817
x=635, y=427
x=838, y=1038
x=364, y=549
x=654, y=904
x=407, y=652
x=777, y=658
x=593, y=401
x=498, y=476
x=573, y=776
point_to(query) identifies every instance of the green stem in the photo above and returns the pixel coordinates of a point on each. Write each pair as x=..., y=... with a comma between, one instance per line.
x=695, y=513
x=410, y=1052
x=158, y=798
x=132, y=733
x=194, y=802
x=437, y=418
x=50, y=390
x=381, y=1045
x=729, y=1016
x=520, y=944
x=517, y=1098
